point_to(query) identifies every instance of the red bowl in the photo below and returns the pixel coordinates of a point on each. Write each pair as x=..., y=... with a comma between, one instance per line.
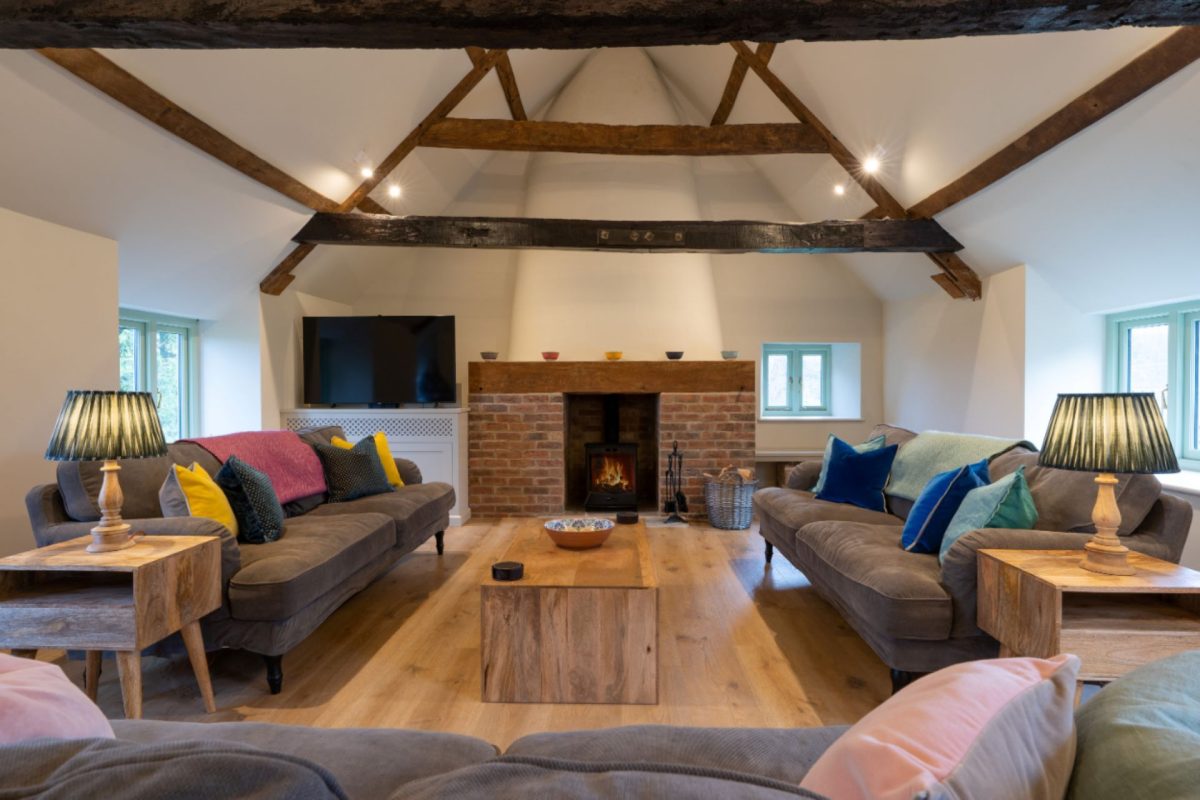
x=550, y=355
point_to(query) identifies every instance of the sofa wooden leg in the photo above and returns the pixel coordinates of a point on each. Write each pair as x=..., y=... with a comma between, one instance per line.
x=439, y=539
x=274, y=673
x=902, y=678
x=770, y=551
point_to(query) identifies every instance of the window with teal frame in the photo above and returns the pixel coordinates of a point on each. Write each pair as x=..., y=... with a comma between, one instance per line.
x=158, y=354
x=1157, y=350
x=796, y=380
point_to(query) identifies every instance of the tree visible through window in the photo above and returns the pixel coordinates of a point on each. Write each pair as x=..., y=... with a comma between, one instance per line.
x=155, y=355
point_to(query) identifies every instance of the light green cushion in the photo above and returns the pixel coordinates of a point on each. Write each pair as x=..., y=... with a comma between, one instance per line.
x=865, y=447
x=1139, y=737
x=1007, y=503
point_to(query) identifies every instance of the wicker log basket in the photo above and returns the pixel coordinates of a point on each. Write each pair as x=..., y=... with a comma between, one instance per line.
x=728, y=497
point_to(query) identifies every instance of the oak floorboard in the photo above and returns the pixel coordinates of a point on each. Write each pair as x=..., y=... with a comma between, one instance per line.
x=740, y=643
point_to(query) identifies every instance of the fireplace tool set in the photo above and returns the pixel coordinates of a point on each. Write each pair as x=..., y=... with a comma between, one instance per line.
x=675, y=503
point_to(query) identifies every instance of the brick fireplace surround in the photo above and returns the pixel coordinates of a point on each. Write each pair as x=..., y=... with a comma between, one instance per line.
x=516, y=462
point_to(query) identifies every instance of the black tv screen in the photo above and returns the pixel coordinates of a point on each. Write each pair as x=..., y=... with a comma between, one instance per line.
x=378, y=360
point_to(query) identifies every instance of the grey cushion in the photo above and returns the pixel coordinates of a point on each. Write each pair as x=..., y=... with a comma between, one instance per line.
x=187, y=453
x=314, y=555
x=1065, y=498
x=784, y=754
x=795, y=509
x=413, y=508
x=321, y=435
x=352, y=473
x=877, y=581
x=892, y=434
x=140, y=478
x=368, y=763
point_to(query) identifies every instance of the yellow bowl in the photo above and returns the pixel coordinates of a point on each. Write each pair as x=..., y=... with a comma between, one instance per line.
x=614, y=355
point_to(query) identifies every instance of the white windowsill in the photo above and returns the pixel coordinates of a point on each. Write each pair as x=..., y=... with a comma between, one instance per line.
x=761, y=418
x=1186, y=482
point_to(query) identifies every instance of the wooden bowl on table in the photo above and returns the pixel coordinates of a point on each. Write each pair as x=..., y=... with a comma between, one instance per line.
x=579, y=533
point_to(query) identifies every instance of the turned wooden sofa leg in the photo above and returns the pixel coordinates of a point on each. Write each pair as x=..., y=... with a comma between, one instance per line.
x=439, y=539
x=770, y=550
x=274, y=673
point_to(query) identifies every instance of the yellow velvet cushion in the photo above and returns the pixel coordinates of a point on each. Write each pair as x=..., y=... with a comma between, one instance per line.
x=204, y=497
x=385, y=456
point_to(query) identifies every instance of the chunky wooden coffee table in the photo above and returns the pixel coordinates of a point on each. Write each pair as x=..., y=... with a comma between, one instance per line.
x=580, y=627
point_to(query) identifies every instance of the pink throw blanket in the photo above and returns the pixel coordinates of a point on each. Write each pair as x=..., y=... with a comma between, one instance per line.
x=293, y=467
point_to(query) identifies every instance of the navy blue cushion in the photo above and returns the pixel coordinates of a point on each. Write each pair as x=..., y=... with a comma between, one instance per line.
x=857, y=478
x=937, y=504
x=254, y=502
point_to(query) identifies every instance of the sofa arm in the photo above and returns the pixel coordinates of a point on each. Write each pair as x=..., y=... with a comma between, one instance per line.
x=410, y=473
x=45, y=507
x=804, y=475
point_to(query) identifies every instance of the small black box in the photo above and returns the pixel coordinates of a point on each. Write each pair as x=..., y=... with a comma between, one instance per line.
x=508, y=571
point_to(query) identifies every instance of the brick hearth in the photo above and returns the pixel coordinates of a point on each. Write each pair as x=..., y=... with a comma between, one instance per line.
x=516, y=440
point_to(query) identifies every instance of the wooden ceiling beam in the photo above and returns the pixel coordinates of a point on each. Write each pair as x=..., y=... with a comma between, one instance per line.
x=568, y=24
x=122, y=86
x=733, y=86
x=952, y=266
x=727, y=236
x=508, y=82
x=281, y=275
x=627, y=140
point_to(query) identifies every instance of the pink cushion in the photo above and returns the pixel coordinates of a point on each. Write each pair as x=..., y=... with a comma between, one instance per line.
x=998, y=729
x=38, y=701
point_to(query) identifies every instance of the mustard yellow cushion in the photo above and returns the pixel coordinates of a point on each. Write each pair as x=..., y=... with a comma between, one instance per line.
x=385, y=456
x=201, y=495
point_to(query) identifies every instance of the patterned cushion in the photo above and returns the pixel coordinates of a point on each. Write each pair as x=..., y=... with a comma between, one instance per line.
x=353, y=473
x=255, y=504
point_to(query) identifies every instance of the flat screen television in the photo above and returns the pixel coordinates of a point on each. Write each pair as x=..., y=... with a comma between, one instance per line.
x=378, y=360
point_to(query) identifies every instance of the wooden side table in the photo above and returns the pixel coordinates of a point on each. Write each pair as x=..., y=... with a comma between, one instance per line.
x=125, y=600
x=1041, y=602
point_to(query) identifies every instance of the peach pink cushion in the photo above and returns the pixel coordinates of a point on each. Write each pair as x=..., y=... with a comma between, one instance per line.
x=38, y=701
x=998, y=729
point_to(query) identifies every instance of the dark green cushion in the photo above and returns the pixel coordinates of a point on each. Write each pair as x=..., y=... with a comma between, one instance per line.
x=353, y=473
x=1139, y=737
x=254, y=502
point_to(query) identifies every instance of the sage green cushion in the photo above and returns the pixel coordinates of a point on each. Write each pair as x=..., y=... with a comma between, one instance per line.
x=1007, y=503
x=1139, y=737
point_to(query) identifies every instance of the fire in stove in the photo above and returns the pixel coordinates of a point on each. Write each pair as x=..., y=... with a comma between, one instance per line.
x=609, y=475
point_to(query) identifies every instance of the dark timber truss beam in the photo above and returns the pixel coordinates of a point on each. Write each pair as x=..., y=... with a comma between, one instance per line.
x=733, y=86
x=569, y=24
x=508, y=81
x=628, y=140
x=734, y=236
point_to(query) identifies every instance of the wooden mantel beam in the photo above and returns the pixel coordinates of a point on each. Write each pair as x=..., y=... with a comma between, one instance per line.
x=569, y=24
x=628, y=140
x=734, y=236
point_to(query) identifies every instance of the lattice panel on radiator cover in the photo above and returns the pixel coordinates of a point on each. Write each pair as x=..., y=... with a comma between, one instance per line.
x=397, y=427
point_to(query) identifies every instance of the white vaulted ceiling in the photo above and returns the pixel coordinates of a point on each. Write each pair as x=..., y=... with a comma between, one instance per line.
x=1118, y=200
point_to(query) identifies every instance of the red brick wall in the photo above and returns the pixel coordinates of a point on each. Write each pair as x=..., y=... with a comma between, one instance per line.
x=515, y=463
x=713, y=431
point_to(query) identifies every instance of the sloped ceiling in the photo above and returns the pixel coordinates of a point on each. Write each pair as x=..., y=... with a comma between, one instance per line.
x=192, y=232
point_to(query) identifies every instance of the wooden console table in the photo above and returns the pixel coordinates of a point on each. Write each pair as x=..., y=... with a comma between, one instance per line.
x=1041, y=602
x=63, y=597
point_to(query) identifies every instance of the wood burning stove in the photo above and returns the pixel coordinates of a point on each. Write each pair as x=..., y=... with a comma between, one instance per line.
x=611, y=477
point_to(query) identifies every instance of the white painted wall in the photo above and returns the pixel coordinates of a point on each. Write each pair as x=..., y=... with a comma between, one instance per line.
x=58, y=332
x=959, y=366
x=231, y=387
x=282, y=348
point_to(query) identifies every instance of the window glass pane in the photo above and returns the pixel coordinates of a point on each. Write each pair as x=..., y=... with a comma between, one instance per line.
x=129, y=357
x=171, y=368
x=1147, y=363
x=777, y=380
x=1193, y=427
x=812, y=382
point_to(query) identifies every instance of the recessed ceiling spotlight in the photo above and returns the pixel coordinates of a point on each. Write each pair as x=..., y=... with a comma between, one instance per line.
x=366, y=172
x=870, y=165
x=393, y=191
x=839, y=189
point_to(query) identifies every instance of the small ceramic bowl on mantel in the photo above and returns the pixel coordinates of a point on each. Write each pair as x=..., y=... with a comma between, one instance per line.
x=614, y=355
x=550, y=355
x=579, y=533
x=674, y=355
x=489, y=355
x=729, y=355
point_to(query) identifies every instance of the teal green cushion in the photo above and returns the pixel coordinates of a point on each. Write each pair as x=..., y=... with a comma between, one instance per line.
x=867, y=446
x=1139, y=737
x=1007, y=503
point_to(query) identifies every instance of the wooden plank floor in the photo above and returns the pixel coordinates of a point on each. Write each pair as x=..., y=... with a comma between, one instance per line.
x=740, y=644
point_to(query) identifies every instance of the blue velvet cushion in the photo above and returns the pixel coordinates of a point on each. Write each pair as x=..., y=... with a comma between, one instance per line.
x=1007, y=503
x=938, y=502
x=857, y=478
x=870, y=444
x=254, y=502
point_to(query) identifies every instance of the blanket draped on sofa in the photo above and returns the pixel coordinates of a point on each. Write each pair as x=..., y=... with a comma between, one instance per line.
x=933, y=452
x=293, y=467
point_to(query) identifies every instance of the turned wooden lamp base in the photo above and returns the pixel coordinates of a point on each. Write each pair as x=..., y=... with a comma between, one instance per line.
x=1104, y=553
x=113, y=533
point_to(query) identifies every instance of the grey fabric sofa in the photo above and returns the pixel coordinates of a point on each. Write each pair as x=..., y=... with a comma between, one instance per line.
x=919, y=615
x=275, y=594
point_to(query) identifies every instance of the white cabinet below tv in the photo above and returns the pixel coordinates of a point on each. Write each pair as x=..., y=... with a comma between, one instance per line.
x=434, y=438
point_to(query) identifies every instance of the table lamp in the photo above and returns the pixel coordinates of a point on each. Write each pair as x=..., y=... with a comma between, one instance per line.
x=105, y=426
x=1108, y=434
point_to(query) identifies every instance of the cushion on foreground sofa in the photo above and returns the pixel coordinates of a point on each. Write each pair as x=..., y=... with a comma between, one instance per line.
x=275, y=593
x=918, y=614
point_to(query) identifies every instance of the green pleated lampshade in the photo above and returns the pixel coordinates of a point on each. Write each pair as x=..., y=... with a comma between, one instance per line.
x=96, y=426
x=1121, y=433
